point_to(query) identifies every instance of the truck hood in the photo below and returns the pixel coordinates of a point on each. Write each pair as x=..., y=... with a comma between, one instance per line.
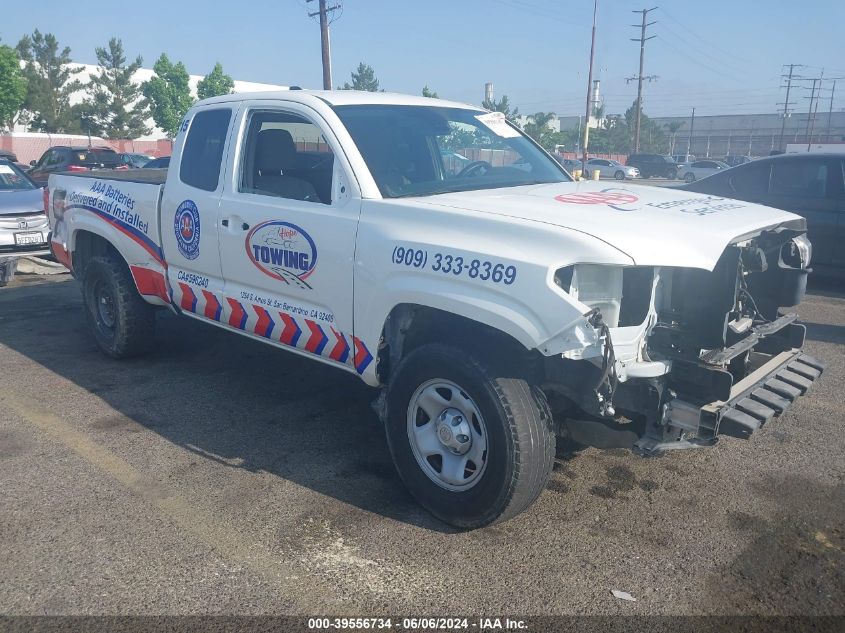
x=654, y=226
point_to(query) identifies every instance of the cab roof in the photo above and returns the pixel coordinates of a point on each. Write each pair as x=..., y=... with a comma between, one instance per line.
x=340, y=98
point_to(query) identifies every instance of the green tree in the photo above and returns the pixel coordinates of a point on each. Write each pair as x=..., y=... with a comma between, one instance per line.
x=652, y=136
x=50, y=83
x=364, y=79
x=538, y=129
x=502, y=106
x=115, y=107
x=215, y=83
x=169, y=94
x=12, y=86
x=428, y=92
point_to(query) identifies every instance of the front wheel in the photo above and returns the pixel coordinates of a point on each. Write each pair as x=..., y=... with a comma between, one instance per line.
x=123, y=324
x=474, y=446
x=690, y=177
x=619, y=175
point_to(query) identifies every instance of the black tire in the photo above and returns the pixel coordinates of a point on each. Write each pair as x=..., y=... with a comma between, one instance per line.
x=619, y=175
x=689, y=177
x=122, y=323
x=518, y=424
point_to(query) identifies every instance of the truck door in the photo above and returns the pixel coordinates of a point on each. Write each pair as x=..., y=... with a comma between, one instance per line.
x=189, y=213
x=287, y=237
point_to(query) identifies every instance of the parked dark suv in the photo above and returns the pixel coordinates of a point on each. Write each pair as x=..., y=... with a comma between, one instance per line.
x=62, y=158
x=653, y=165
x=812, y=185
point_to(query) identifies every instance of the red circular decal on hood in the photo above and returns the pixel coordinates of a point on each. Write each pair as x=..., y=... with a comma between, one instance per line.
x=598, y=197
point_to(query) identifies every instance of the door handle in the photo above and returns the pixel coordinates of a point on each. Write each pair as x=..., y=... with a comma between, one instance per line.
x=225, y=222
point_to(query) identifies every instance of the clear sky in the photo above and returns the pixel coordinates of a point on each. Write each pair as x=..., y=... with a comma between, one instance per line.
x=721, y=56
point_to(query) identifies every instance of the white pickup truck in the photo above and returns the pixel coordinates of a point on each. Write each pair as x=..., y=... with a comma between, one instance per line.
x=496, y=307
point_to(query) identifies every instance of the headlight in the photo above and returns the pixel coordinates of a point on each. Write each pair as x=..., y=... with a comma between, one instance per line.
x=797, y=252
x=595, y=286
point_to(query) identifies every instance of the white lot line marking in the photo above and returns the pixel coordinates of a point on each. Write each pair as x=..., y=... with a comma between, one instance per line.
x=229, y=542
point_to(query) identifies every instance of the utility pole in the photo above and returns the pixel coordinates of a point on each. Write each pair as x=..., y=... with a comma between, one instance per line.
x=590, y=86
x=830, y=110
x=324, y=40
x=691, y=130
x=811, y=114
x=786, y=103
x=642, y=39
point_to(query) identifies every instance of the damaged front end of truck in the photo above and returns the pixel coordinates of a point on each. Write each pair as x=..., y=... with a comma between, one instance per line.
x=674, y=357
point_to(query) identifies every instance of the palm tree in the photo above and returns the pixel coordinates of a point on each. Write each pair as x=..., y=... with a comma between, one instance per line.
x=598, y=113
x=538, y=126
x=673, y=128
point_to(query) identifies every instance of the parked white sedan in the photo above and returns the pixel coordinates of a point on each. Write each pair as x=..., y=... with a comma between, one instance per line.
x=699, y=169
x=611, y=169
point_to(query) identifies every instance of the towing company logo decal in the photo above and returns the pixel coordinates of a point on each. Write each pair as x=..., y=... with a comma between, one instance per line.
x=618, y=199
x=283, y=251
x=186, y=225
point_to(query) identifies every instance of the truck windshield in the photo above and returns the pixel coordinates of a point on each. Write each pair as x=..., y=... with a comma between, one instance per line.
x=426, y=150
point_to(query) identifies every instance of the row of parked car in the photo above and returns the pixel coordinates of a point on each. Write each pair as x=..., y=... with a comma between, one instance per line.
x=683, y=167
x=71, y=158
x=23, y=225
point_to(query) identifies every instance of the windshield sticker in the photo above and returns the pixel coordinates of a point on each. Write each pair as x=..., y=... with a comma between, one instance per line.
x=186, y=225
x=496, y=123
x=5, y=169
x=283, y=251
x=617, y=199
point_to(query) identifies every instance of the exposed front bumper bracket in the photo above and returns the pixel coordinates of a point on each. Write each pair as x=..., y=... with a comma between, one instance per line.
x=754, y=400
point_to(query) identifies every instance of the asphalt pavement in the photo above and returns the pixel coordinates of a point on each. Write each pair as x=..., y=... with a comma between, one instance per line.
x=219, y=475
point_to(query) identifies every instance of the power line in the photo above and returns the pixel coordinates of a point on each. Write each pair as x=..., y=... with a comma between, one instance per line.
x=642, y=39
x=728, y=55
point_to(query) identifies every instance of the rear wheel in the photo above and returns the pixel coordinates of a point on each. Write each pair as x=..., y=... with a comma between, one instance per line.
x=689, y=177
x=473, y=447
x=619, y=175
x=123, y=324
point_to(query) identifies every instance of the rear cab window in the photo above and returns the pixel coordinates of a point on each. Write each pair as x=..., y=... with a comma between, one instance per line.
x=202, y=154
x=94, y=158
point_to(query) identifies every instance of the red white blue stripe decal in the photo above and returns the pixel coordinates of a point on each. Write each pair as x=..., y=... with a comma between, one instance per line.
x=130, y=231
x=308, y=335
x=238, y=317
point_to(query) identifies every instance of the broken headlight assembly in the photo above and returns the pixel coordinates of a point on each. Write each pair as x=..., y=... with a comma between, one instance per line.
x=597, y=287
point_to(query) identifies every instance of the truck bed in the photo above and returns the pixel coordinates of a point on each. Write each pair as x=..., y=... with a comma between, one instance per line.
x=143, y=176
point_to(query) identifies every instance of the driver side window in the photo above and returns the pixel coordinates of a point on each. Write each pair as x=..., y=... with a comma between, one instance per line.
x=286, y=156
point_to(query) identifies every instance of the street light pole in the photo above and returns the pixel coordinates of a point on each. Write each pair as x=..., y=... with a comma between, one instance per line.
x=590, y=85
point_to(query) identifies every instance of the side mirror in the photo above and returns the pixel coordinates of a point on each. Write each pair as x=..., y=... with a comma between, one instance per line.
x=32, y=163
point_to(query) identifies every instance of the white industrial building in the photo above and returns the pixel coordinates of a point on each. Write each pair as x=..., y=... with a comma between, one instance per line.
x=145, y=74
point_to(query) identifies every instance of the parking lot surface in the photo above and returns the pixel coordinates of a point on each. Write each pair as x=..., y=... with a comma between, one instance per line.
x=219, y=475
